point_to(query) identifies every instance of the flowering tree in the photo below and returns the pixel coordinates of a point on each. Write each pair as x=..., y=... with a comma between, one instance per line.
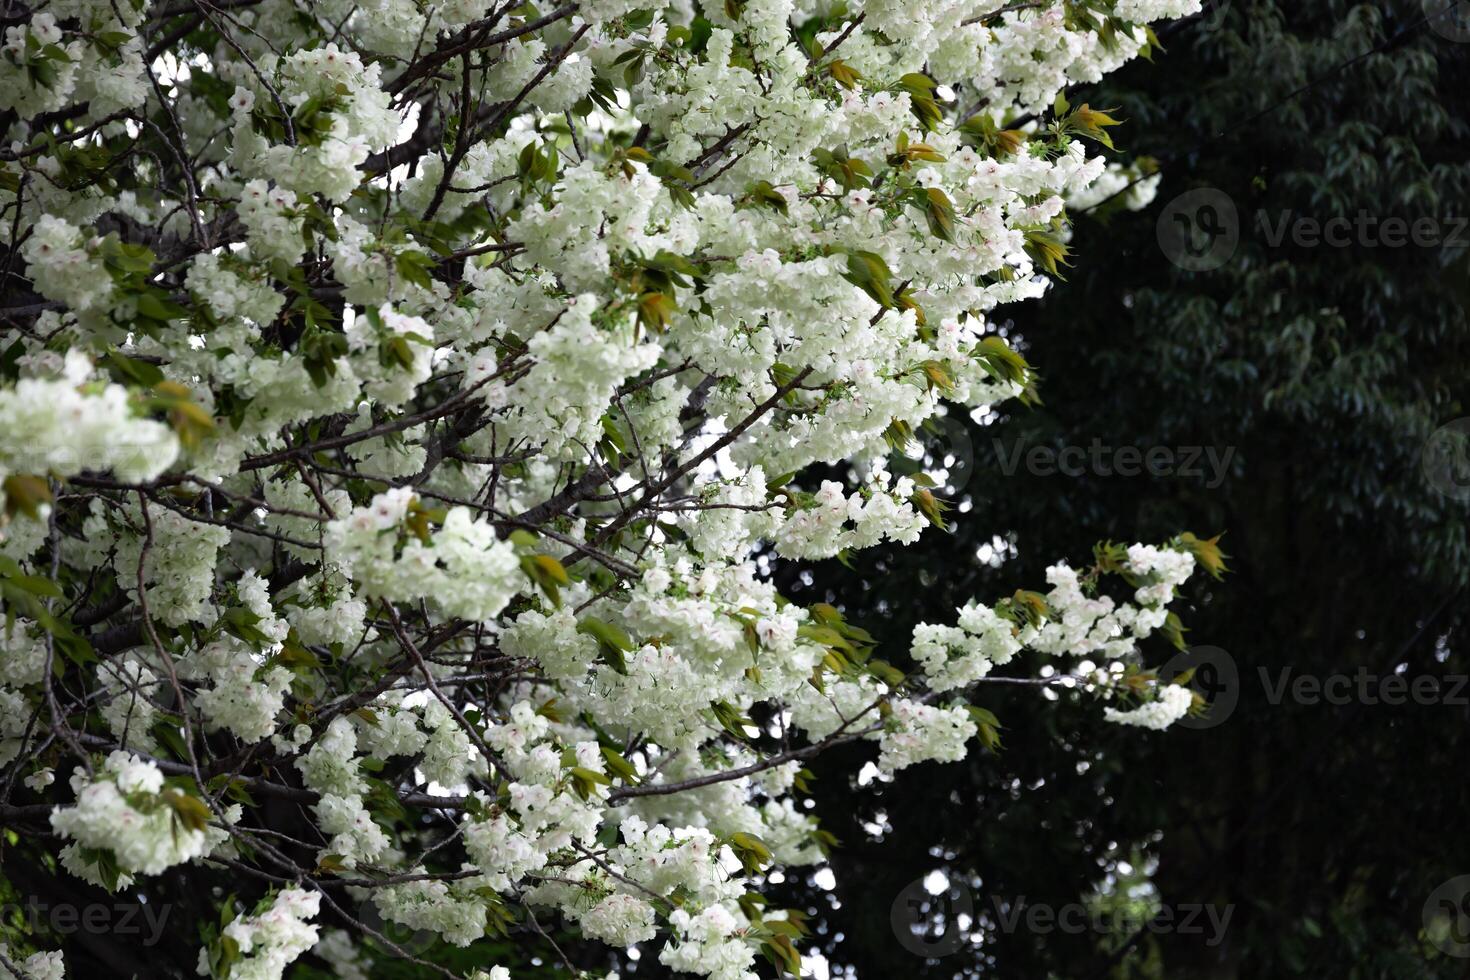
x=402, y=406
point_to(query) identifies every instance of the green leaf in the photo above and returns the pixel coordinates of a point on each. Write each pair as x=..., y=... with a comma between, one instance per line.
x=920, y=88
x=620, y=766
x=870, y=273
x=939, y=212
x=1174, y=629
x=395, y=352
x=36, y=585
x=548, y=573
x=731, y=720
x=189, y=811
x=233, y=788
x=1047, y=251
x=753, y=852
x=138, y=372
x=988, y=726
x=112, y=40
x=240, y=623
x=613, y=642
x=167, y=734
x=104, y=862
x=190, y=421
x=329, y=864
x=415, y=267
x=586, y=781
x=1001, y=362
x=783, y=955
x=763, y=193
x=158, y=306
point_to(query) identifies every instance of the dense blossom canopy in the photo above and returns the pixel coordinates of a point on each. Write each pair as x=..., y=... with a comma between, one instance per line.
x=402, y=405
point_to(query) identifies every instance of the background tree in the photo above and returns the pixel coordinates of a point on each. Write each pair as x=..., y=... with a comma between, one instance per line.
x=1325, y=370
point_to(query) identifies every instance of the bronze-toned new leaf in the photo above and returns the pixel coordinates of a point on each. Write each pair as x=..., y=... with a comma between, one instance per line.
x=1047, y=251
x=939, y=212
x=1093, y=123
x=1207, y=552
x=25, y=494
x=189, y=811
x=931, y=507
x=843, y=74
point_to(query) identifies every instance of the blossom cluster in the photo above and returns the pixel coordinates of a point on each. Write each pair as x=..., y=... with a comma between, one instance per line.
x=405, y=408
x=63, y=422
x=126, y=812
x=1172, y=704
x=464, y=568
x=264, y=944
